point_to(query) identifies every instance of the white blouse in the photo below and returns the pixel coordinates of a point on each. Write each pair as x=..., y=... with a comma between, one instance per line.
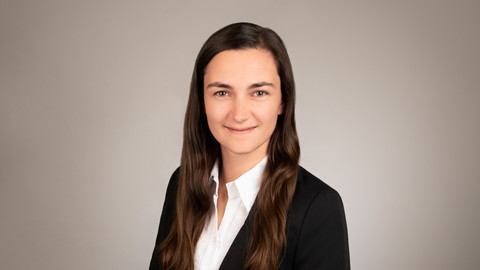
x=213, y=244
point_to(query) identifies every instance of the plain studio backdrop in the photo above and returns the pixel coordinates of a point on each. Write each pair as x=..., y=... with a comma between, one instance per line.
x=92, y=101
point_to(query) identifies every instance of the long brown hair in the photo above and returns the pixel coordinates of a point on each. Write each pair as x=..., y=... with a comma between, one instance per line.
x=201, y=150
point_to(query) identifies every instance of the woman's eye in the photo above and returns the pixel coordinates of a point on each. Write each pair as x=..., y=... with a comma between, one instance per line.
x=221, y=93
x=260, y=93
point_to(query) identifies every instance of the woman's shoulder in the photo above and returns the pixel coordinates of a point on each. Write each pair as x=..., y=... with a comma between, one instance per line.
x=173, y=182
x=312, y=195
x=175, y=174
x=309, y=186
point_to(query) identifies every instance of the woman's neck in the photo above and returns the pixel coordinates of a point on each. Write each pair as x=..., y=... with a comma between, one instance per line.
x=234, y=165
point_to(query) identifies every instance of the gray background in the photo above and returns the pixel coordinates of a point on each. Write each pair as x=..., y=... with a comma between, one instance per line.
x=92, y=101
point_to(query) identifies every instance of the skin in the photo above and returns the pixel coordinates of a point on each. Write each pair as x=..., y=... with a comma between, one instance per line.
x=242, y=95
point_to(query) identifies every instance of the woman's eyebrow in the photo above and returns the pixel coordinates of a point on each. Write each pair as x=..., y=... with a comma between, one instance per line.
x=260, y=84
x=219, y=85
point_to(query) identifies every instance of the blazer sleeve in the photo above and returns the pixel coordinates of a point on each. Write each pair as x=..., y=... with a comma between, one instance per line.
x=166, y=218
x=323, y=240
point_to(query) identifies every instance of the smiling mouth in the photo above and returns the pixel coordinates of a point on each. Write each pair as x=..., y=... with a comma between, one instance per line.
x=240, y=130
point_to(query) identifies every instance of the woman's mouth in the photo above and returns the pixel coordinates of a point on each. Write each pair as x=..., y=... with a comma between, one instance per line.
x=240, y=130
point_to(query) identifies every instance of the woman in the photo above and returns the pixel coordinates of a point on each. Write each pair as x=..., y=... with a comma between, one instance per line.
x=239, y=199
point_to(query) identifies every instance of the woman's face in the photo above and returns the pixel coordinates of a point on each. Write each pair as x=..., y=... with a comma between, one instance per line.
x=243, y=99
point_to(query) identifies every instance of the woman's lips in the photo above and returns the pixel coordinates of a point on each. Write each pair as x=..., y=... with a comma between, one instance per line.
x=240, y=130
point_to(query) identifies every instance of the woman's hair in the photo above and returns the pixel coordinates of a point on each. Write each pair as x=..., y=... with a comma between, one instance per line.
x=201, y=150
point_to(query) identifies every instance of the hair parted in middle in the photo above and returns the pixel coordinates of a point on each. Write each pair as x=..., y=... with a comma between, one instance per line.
x=201, y=151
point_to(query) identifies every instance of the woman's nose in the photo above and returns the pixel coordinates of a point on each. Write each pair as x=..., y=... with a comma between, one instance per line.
x=240, y=111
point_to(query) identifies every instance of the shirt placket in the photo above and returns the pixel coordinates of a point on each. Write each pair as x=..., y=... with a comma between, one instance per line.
x=216, y=241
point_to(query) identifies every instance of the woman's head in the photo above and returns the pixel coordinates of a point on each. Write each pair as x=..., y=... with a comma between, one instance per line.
x=240, y=36
x=243, y=99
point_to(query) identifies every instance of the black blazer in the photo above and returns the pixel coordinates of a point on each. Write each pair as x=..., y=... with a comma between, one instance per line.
x=316, y=230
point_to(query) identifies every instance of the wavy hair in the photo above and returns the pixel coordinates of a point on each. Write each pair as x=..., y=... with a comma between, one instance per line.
x=200, y=151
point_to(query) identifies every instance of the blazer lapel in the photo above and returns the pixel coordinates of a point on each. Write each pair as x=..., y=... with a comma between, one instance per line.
x=235, y=257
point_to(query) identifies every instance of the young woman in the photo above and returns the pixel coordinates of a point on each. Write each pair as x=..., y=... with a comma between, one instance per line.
x=239, y=199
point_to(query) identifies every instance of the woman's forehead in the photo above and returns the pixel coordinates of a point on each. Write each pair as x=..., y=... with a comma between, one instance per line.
x=242, y=66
